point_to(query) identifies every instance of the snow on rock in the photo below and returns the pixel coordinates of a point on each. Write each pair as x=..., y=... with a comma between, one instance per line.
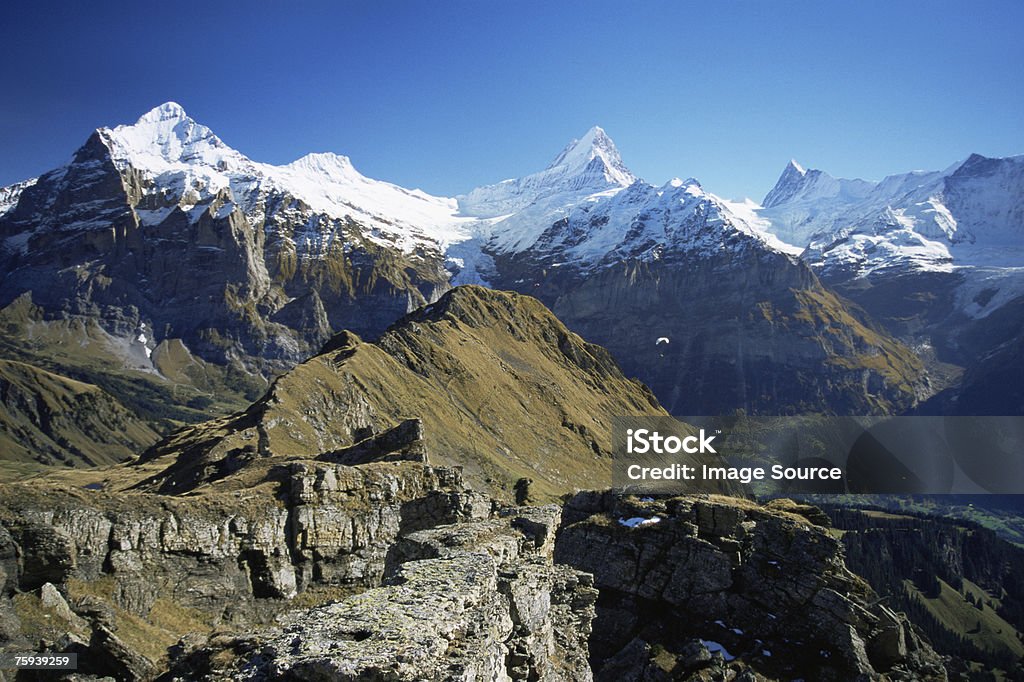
x=9, y=195
x=639, y=222
x=188, y=161
x=637, y=521
x=971, y=213
x=714, y=646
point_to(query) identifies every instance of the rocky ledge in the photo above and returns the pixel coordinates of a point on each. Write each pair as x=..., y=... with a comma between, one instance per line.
x=482, y=602
x=710, y=587
x=398, y=571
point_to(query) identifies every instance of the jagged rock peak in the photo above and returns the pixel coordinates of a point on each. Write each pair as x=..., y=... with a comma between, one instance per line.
x=788, y=184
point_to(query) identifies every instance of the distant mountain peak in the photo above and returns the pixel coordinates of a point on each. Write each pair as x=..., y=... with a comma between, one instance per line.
x=166, y=134
x=329, y=164
x=164, y=112
x=586, y=166
x=792, y=181
x=579, y=154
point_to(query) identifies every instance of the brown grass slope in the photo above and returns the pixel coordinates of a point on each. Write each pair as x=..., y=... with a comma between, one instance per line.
x=502, y=387
x=47, y=418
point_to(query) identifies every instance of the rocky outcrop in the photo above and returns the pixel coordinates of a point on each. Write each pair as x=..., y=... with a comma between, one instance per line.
x=326, y=525
x=137, y=571
x=396, y=571
x=712, y=581
x=475, y=600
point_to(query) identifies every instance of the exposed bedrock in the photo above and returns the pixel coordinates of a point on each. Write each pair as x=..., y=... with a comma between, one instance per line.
x=718, y=583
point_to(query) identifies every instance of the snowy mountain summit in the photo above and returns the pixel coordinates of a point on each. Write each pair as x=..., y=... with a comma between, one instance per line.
x=971, y=213
x=189, y=164
x=586, y=166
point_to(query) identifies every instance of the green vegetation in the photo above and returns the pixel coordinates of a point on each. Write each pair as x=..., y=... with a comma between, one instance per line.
x=957, y=581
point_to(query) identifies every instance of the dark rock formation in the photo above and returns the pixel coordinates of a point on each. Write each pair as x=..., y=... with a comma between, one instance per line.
x=764, y=588
x=716, y=321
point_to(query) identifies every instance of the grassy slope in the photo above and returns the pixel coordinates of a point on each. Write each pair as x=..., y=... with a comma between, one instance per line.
x=502, y=387
x=983, y=627
x=46, y=418
x=191, y=391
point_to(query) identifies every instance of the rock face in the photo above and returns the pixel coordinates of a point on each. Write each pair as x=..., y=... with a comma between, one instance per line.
x=763, y=587
x=51, y=419
x=311, y=529
x=478, y=600
x=466, y=593
x=499, y=385
x=753, y=331
x=174, y=253
x=216, y=549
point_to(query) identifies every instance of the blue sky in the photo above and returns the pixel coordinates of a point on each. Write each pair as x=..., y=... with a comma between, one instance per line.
x=449, y=95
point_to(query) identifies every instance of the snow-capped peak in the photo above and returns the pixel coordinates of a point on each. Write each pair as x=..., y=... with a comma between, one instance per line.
x=190, y=165
x=166, y=111
x=166, y=134
x=326, y=163
x=587, y=166
x=793, y=179
x=595, y=144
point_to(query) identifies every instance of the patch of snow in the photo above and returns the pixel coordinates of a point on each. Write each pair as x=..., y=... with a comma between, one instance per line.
x=637, y=521
x=18, y=243
x=10, y=195
x=714, y=646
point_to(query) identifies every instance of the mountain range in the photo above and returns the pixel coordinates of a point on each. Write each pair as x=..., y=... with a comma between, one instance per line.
x=186, y=275
x=289, y=421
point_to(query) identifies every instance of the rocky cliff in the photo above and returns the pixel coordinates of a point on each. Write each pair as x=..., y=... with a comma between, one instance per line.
x=476, y=600
x=712, y=587
x=396, y=571
x=149, y=568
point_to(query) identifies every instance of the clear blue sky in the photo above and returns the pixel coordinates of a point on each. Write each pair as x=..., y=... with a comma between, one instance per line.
x=448, y=95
